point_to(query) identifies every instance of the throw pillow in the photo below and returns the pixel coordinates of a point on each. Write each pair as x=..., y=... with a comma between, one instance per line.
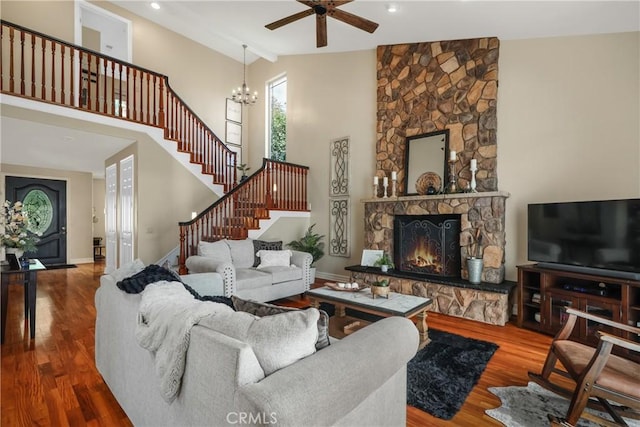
x=277, y=341
x=259, y=245
x=219, y=250
x=274, y=258
x=263, y=309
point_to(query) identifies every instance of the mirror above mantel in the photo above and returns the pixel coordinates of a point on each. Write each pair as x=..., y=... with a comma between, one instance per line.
x=426, y=153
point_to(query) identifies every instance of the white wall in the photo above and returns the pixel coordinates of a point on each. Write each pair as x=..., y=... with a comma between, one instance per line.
x=568, y=125
x=328, y=96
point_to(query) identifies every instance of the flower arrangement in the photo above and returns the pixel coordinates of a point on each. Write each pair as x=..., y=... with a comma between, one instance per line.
x=15, y=222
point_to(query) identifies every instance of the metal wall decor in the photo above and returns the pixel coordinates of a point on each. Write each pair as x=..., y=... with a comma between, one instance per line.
x=339, y=167
x=339, y=244
x=339, y=200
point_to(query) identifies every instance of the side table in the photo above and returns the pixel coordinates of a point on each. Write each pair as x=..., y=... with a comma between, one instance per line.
x=29, y=280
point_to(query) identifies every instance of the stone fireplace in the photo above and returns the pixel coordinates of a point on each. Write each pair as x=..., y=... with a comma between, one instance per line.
x=427, y=245
x=427, y=87
x=487, y=302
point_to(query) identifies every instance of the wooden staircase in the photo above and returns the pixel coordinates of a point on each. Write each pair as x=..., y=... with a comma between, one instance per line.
x=42, y=68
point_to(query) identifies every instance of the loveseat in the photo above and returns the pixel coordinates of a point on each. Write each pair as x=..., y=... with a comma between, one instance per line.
x=275, y=274
x=357, y=381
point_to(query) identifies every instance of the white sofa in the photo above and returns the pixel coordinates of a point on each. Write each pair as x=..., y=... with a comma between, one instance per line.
x=233, y=261
x=360, y=380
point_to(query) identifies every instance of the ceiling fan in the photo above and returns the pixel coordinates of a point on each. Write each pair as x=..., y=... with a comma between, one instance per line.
x=322, y=8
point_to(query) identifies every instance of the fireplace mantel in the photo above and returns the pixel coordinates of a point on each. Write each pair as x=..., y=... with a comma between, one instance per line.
x=436, y=197
x=483, y=211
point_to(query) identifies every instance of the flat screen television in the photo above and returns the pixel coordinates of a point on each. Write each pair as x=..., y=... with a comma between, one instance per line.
x=596, y=237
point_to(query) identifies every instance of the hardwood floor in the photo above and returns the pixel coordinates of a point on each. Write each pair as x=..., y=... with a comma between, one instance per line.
x=52, y=380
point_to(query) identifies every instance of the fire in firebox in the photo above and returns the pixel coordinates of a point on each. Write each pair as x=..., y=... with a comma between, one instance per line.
x=427, y=244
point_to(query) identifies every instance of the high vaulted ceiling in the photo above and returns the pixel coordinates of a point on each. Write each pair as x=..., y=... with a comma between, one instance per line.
x=226, y=25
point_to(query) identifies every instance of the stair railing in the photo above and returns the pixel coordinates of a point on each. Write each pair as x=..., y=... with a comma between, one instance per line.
x=46, y=69
x=275, y=186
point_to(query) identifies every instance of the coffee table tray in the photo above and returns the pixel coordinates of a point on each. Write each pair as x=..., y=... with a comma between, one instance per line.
x=335, y=287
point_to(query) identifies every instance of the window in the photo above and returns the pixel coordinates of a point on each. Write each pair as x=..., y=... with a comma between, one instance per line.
x=277, y=119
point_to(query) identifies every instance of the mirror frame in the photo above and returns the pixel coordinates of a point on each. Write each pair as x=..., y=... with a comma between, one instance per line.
x=412, y=140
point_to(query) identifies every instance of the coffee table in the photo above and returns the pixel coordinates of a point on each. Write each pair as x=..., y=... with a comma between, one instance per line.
x=396, y=305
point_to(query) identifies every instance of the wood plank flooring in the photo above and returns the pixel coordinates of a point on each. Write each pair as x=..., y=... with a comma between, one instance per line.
x=52, y=380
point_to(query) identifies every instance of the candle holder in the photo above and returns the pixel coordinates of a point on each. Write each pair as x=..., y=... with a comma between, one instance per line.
x=385, y=184
x=375, y=191
x=473, y=181
x=452, y=187
x=394, y=183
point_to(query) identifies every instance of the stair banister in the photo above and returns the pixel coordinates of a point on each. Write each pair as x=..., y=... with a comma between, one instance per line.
x=146, y=95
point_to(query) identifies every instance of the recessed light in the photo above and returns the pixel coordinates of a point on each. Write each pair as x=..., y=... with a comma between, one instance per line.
x=391, y=8
x=155, y=5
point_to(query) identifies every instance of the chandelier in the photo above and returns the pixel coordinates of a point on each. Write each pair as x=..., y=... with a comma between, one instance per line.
x=242, y=94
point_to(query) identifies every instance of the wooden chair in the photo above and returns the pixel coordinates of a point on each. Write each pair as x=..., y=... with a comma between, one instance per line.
x=595, y=371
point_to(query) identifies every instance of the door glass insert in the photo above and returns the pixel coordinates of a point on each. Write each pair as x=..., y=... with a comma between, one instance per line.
x=39, y=210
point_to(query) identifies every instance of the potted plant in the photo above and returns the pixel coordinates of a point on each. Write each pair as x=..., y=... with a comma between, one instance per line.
x=380, y=288
x=243, y=168
x=311, y=243
x=384, y=262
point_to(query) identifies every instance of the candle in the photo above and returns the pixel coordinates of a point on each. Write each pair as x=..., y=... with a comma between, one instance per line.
x=375, y=180
x=393, y=175
x=452, y=156
x=385, y=181
x=474, y=164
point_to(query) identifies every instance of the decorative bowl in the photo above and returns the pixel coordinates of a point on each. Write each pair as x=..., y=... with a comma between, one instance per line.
x=428, y=183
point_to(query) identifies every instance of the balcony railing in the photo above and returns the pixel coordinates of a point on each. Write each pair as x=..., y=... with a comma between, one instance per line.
x=46, y=69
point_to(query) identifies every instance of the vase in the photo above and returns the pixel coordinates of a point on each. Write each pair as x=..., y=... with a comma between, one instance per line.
x=16, y=251
x=474, y=266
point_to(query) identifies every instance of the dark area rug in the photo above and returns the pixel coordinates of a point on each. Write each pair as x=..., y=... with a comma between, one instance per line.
x=442, y=374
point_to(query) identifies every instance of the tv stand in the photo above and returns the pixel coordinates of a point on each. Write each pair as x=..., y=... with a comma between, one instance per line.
x=544, y=292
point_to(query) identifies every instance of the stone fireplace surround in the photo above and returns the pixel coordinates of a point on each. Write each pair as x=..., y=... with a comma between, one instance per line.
x=487, y=302
x=430, y=86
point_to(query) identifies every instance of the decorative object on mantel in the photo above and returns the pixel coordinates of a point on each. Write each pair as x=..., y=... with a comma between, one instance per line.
x=428, y=183
x=376, y=182
x=339, y=199
x=394, y=183
x=473, y=167
x=380, y=288
x=242, y=95
x=452, y=187
x=385, y=185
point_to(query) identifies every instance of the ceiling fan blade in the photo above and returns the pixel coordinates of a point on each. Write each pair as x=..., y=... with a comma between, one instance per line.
x=356, y=21
x=289, y=19
x=321, y=30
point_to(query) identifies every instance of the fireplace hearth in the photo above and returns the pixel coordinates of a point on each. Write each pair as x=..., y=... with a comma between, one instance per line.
x=427, y=245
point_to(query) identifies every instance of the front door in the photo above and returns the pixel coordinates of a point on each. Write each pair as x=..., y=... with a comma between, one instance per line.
x=45, y=202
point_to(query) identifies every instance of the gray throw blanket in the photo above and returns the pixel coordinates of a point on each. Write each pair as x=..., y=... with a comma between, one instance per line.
x=166, y=315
